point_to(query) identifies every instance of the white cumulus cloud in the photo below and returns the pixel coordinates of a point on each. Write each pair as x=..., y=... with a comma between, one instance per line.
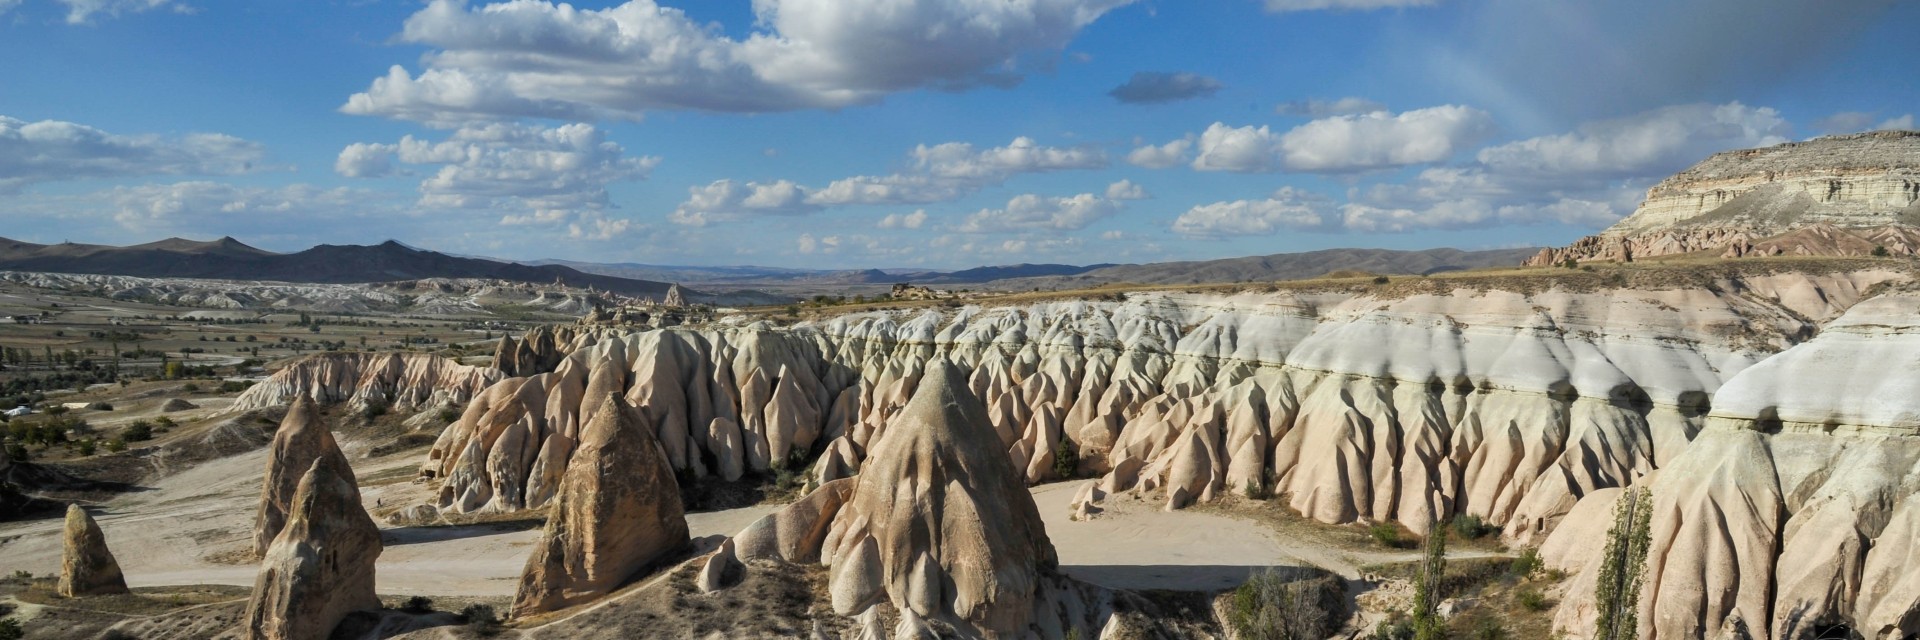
x=1379, y=139
x=1288, y=208
x=52, y=150
x=1161, y=156
x=535, y=174
x=537, y=58
x=1341, y=144
x=948, y=171
x=727, y=200
x=1031, y=212
x=913, y=220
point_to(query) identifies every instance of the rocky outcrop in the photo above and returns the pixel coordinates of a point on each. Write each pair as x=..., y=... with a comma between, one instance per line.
x=1508, y=405
x=87, y=568
x=616, y=511
x=1862, y=192
x=400, y=380
x=939, y=526
x=321, y=566
x=303, y=439
x=1796, y=506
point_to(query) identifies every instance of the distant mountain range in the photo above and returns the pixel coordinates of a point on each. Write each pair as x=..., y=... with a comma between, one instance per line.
x=230, y=259
x=1283, y=266
x=753, y=275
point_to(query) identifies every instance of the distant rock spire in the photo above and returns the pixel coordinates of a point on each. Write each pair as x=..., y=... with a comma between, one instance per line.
x=674, y=297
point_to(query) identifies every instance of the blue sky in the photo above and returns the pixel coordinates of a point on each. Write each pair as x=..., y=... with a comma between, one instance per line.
x=898, y=133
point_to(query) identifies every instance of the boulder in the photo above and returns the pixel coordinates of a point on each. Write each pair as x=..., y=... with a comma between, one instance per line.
x=177, y=404
x=320, y=567
x=617, y=511
x=303, y=438
x=87, y=568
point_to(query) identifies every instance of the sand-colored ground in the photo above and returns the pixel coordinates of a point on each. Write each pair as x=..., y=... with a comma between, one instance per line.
x=193, y=528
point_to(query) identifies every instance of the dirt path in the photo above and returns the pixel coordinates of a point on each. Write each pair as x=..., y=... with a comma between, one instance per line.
x=169, y=533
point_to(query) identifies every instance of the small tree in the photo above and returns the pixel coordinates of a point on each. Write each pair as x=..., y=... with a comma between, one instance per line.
x=1880, y=251
x=1427, y=584
x=1617, y=591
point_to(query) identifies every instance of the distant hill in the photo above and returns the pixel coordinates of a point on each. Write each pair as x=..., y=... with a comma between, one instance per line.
x=230, y=259
x=752, y=275
x=1282, y=266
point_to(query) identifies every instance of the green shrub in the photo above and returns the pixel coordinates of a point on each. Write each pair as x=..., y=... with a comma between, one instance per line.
x=137, y=432
x=481, y=619
x=1531, y=599
x=116, y=445
x=1386, y=534
x=1259, y=489
x=1525, y=564
x=374, y=410
x=1271, y=607
x=1381, y=280
x=1397, y=627
x=10, y=629
x=1066, y=461
x=1470, y=527
x=450, y=415
x=418, y=604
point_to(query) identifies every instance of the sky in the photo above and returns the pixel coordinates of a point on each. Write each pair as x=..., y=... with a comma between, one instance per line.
x=906, y=133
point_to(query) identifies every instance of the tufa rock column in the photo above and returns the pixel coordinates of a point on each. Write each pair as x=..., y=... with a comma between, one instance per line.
x=88, y=568
x=321, y=566
x=617, y=511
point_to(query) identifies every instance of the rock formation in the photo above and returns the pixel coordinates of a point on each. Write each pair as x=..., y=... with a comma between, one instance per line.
x=616, y=511
x=321, y=566
x=1797, y=506
x=401, y=380
x=1507, y=405
x=302, y=439
x=674, y=297
x=1857, y=192
x=939, y=525
x=87, y=568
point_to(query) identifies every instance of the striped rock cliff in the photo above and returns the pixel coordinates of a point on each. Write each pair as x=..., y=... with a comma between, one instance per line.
x=1796, y=507
x=1852, y=193
x=1508, y=405
x=400, y=380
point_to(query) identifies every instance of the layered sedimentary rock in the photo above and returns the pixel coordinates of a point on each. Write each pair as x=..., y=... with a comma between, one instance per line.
x=402, y=380
x=939, y=525
x=87, y=568
x=302, y=439
x=1507, y=405
x=1861, y=191
x=1798, y=505
x=321, y=566
x=616, y=511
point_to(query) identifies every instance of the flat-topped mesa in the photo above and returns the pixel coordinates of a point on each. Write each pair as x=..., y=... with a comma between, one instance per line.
x=1861, y=191
x=399, y=380
x=1796, y=507
x=87, y=568
x=321, y=566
